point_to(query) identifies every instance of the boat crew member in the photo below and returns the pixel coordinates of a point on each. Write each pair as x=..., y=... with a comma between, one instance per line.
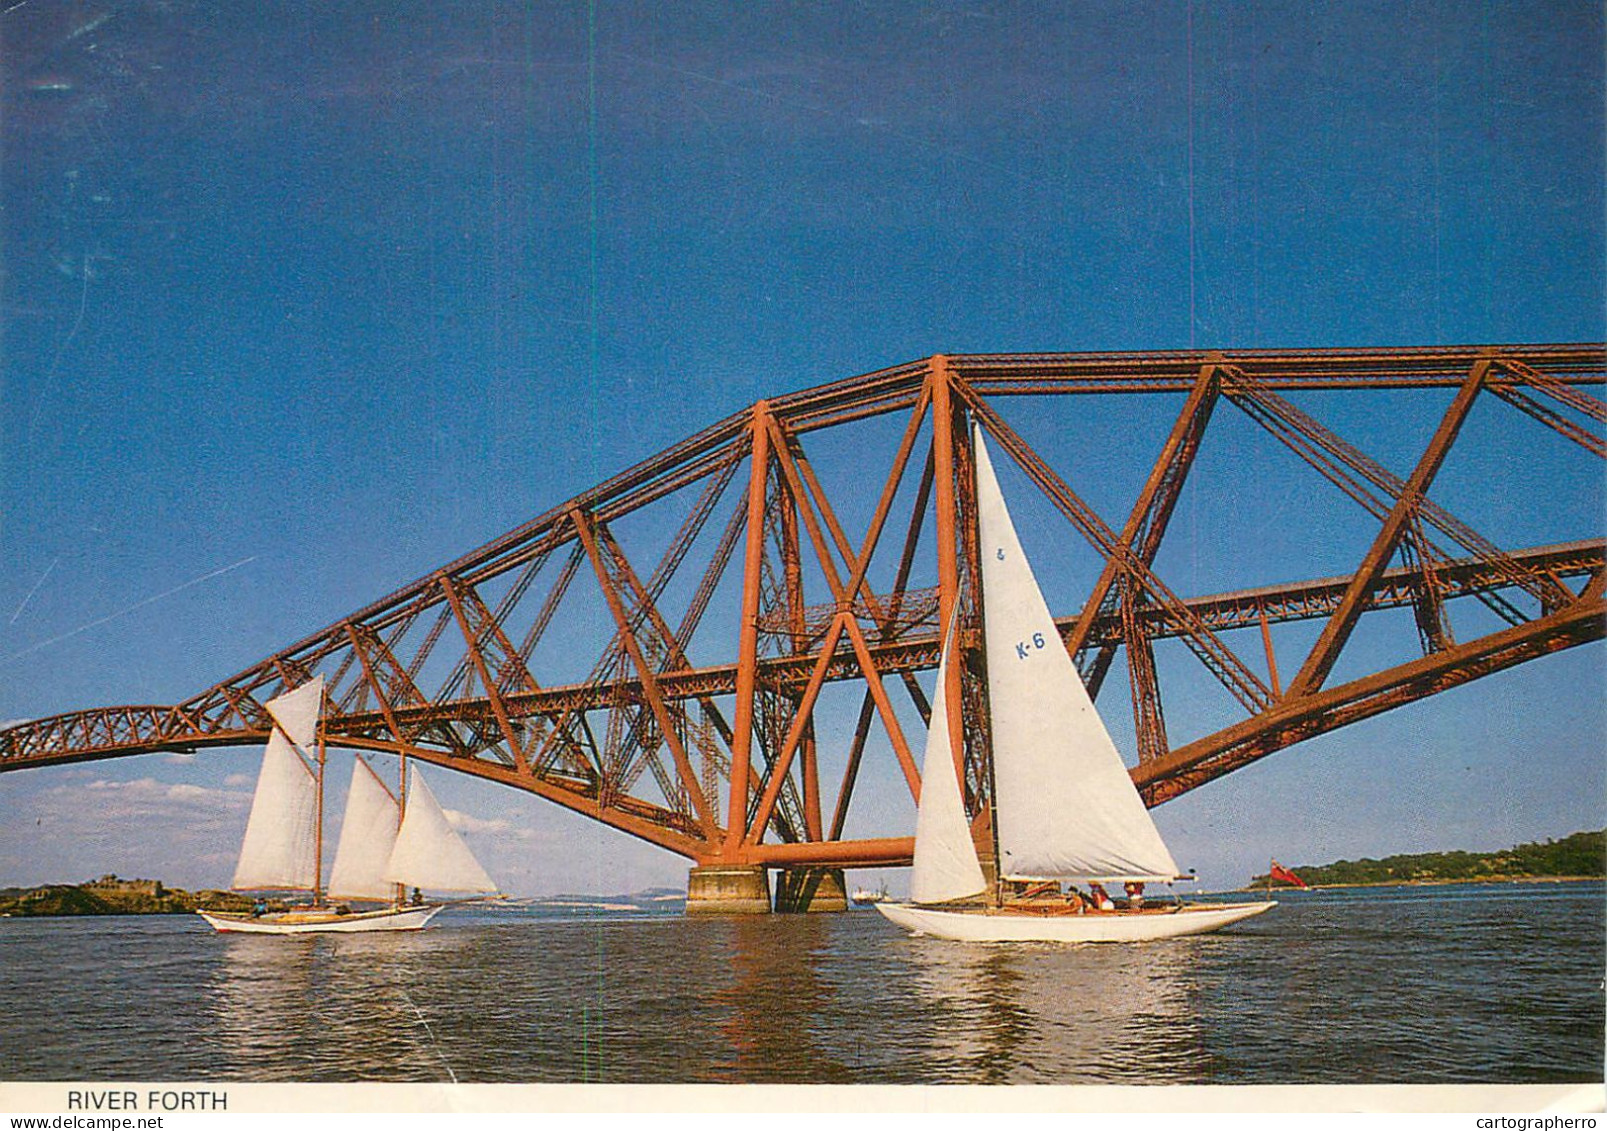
x=1135, y=894
x=1102, y=900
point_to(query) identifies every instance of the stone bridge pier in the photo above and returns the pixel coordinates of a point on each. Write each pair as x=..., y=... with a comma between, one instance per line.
x=746, y=889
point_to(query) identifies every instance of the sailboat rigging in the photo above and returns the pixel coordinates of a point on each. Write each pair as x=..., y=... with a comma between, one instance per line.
x=385, y=847
x=1064, y=806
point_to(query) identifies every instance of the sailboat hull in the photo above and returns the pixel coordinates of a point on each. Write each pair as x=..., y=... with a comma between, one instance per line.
x=321, y=922
x=1094, y=927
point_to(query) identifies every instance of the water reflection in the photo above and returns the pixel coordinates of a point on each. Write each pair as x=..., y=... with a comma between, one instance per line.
x=333, y=1007
x=776, y=1005
x=261, y=998
x=1495, y=985
x=833, y=999
x=1056, y=1014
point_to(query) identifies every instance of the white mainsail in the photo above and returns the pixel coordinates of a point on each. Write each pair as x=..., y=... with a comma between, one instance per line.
x=945, y=865
x=367, y=837
x=279, y=847
x=1066, y=807
x=429, y=854
x=297, y=712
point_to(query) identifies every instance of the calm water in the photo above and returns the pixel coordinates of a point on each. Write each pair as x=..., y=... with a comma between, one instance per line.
x=1473, y=983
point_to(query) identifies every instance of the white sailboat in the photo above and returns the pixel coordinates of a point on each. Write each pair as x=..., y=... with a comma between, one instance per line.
x=384, y=849
x=1064, y=805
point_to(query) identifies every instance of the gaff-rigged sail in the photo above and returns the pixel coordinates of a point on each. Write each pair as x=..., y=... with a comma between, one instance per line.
x=429, y=854
x=367, y=838
x=278, y=851
x=945, y=865
x=297, y=712
x=1066, y=807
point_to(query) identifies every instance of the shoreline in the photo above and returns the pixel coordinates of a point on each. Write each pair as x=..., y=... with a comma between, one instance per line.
x=1421, y=883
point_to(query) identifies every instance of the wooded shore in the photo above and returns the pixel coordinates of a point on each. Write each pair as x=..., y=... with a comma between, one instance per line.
x=1581, y=856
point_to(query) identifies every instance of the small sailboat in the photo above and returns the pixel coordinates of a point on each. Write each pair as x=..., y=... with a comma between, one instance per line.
x=1064, y=806
x=385, y=846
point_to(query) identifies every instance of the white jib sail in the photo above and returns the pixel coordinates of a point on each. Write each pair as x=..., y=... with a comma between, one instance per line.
x=279, y=850
x=367, y=838
x=1066, y=807
x=429, y=854
x=945, y=856
x=297, y=712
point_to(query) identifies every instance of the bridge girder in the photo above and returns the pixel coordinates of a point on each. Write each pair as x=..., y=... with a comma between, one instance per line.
x=666, y=749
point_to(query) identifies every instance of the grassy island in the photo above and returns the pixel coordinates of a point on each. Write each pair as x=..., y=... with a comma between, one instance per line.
x=112, y=896
x=1580, y=856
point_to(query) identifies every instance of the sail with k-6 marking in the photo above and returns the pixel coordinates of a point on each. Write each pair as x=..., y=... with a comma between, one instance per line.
x=1066, y=808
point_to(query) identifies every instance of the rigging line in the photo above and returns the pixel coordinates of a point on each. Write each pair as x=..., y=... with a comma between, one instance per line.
x=434, y=1042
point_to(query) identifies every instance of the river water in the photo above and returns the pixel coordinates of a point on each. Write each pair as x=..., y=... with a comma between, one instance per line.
x=1495, y=984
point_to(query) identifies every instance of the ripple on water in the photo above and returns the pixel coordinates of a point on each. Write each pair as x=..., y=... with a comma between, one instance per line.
x=1498, y=984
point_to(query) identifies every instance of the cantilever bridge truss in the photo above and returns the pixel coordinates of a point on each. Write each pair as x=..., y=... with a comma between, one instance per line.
x=656, y=653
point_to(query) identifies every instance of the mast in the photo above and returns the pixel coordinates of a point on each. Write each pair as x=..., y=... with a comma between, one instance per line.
x=318, y=838
x=399, y=894
x=993, y=792
x=973, y=538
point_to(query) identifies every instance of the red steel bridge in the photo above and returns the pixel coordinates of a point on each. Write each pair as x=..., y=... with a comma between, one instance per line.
x=655, y=653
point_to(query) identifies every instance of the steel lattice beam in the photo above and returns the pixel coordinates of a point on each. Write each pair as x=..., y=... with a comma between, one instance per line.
x=719, y=760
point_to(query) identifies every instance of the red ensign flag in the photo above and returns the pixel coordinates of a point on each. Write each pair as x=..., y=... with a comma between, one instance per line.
x=1285, y=876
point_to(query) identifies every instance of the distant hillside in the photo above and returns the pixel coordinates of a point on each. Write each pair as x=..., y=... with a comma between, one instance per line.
x=653, y=899
x=111, y=896
x=1582, y=855
x=98, y=898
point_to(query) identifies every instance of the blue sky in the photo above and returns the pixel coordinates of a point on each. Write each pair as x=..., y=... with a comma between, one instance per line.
x=302, y=301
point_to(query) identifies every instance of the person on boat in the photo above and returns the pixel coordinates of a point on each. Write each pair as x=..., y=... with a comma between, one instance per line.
x=1101, y=898
x=259, y=908
x=418, y=898
x=1135, y=894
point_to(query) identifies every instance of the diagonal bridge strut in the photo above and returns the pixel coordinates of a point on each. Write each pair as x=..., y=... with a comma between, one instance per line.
x=740, y=674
